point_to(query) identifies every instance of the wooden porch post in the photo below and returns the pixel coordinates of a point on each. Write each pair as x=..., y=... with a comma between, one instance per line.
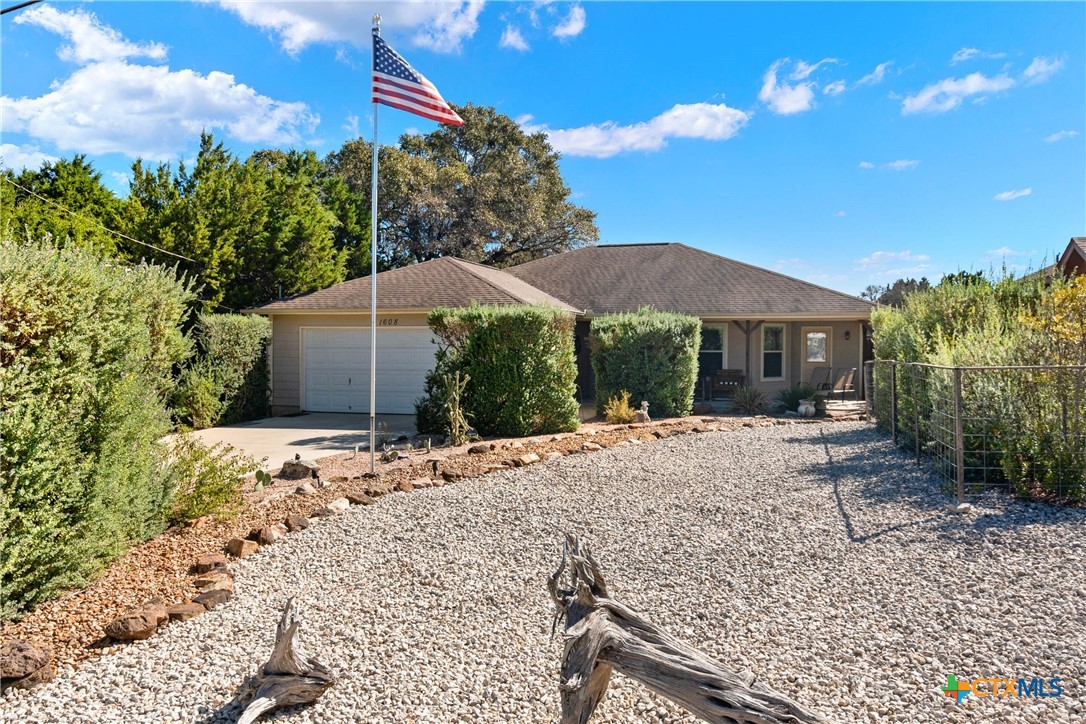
x=747, y=330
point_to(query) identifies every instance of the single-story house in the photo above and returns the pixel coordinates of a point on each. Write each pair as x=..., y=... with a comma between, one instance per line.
x=1073, y=259
x=776, y=329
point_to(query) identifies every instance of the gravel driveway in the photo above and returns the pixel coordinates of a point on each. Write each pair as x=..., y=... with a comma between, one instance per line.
x=815, y=555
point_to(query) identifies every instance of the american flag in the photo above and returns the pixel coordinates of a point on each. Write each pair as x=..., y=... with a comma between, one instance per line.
x=397, y=84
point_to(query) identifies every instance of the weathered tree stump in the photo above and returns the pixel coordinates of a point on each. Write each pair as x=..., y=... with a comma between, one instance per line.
x=290, y=677
x=602, y=634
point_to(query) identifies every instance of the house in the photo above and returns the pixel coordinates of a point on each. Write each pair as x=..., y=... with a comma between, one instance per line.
x=1073, y=260
x=774, y=328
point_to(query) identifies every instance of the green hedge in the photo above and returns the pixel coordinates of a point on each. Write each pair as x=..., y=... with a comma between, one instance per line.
x=87, y=350
x=227, y=381
x=652, y=355
x=521, y=367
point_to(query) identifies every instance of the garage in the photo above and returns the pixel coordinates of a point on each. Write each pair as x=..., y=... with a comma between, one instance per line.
x=336, y=369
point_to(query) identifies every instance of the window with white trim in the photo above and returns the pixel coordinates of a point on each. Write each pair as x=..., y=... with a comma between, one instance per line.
x=773, y=352
x=712, y=355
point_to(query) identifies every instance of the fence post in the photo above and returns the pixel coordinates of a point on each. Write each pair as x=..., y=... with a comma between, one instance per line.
x=916, y=417
x=893, y=402
x=959, y=436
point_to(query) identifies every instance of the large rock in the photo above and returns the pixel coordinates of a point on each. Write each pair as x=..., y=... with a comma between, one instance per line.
x=19, y=658
x=336, y=507
x=210, y=562
x=139, y=623
x=184, y=611
x=272, y=533
x=297, y=522
x=241, y=548
x=360, y=499
x=300, y=470
x=209, y=580
x=213, y=598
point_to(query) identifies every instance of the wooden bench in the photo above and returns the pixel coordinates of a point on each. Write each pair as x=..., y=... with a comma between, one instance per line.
x=726, y=382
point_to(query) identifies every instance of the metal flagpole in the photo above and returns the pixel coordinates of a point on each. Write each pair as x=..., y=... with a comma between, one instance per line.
x=373, y=273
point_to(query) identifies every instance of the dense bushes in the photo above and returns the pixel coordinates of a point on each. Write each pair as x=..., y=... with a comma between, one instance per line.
x=87, y=349
x=652, y=355
x=1028, y=423
x=205, y=479
x=520, y=368
x=227, y=381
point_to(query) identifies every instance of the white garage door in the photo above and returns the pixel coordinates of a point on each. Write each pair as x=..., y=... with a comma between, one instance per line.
x=337, y=377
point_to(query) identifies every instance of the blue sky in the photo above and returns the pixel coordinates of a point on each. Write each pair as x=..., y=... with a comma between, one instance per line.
x=844, y=143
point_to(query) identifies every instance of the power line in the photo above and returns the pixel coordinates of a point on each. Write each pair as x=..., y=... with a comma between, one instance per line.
x=99, y=223
x=19, y=6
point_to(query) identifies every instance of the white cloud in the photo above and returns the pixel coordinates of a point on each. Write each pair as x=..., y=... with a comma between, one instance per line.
x=436, y=24
x=904, y=164
x=19, y=157
x=1060, y=135
x=512, y=38
x=1005, y=251
x=112, y=106
x=713, y=122
x=876, y=76
x=949, y=93
x=839, y=214
x=121, y=180
x=782, y=98
x=151, y=111
x=1041, y=69
x=965, y=54
x=87, y=38
x=803, y=70
x=573, y=25
x=835, y=88
x=894, y=265
x=351, y=126
x=1012, y=195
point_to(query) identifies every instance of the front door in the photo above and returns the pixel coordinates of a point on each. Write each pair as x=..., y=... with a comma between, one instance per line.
x=816, y=346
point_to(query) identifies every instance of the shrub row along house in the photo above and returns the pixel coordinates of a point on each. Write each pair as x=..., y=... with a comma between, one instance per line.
x=773, y=330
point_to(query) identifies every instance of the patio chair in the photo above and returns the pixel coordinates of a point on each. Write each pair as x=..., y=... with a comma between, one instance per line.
x=843, y=383
x=822, y=378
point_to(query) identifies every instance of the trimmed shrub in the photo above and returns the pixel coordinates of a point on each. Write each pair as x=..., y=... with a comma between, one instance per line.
x=228, y=381
x=749, y=400
x=86, y=352
x=652, y=355
x=617, y=411
x=790, y=398
x=520, y=364
x=206, y=480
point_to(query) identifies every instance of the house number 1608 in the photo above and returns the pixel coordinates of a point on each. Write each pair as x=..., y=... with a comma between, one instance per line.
x=389, y=323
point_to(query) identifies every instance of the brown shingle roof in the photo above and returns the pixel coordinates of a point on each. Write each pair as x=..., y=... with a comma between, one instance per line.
x=678, y=278
x=447, y=282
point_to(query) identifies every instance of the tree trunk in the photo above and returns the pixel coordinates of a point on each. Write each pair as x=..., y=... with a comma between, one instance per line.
x=602, y=634
x=290, y=677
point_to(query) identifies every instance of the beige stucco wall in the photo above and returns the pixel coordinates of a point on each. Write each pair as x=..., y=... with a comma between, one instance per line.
x=843, y=353
x=286, y=355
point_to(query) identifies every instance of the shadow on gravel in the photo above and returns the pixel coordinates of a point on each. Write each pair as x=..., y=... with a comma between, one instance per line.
x=875, y=473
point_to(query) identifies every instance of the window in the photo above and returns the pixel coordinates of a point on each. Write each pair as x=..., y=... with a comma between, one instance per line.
x=711, y=354
x=817, y=347
x=773, y=352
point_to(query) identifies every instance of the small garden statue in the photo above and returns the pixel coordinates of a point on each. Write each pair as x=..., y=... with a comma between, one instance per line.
x=642, y=415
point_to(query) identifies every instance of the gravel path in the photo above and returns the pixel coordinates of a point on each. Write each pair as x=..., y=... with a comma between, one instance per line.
x=815, y=555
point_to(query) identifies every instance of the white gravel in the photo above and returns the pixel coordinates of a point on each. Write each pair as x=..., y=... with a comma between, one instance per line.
x=815, y=555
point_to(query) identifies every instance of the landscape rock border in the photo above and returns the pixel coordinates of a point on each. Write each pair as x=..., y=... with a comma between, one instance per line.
x=72, y=626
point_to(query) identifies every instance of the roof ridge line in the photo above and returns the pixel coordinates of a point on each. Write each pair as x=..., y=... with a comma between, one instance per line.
x=461, y=264
x=775, y=273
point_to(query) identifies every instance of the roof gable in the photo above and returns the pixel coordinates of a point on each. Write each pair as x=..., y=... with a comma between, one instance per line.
x=678, y=278
x=443, y=282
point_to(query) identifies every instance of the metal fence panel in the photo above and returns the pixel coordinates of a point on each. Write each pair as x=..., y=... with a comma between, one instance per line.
x=1018, y=429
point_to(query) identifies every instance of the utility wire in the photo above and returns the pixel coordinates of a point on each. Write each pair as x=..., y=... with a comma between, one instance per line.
x=5, y=11
x=75, y=213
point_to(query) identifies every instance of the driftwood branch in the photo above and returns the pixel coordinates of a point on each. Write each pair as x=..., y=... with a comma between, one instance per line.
x=602, y=635
x=289, y=678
